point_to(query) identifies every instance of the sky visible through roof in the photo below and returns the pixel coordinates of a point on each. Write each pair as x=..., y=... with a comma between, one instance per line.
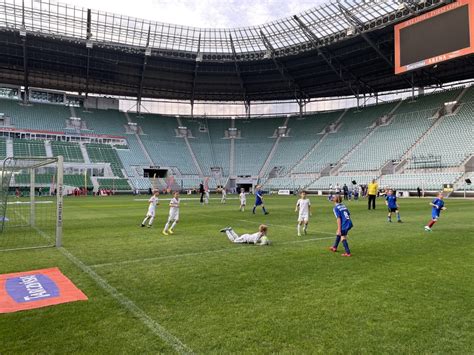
x=203, y=13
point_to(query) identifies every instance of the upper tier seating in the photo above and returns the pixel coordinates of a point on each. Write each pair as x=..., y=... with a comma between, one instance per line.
x=210, y=147
x=354, y=127
x=303, y=134
x=255, y=144
x=162, y=144
x=452, y=139
x=44, y=117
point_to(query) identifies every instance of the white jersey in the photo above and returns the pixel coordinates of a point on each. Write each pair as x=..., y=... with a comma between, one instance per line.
x=243, y=198
x=303, y=205
x=153, y=201
x=174, y=208
x=251, y=238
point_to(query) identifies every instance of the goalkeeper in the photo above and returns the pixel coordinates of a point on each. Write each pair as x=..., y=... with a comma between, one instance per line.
x=259, y=238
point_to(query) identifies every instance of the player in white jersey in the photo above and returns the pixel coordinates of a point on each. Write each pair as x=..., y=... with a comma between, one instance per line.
x=173, y=217
x=243, y=199
x=303, y=207
x=150, y=215
x=259, y=238
x=206, y=197
x=224, y=195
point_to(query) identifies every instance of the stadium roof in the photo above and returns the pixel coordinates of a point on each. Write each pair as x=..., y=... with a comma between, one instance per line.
x=335, y=49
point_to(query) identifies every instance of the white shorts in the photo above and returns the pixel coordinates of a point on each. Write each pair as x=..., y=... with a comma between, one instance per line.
x=243, y=202
x=303, y=218
x=150, y=213
x=174, y=216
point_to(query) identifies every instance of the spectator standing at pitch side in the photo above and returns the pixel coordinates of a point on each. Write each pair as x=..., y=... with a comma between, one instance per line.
x=201, y=191
x=372, y=189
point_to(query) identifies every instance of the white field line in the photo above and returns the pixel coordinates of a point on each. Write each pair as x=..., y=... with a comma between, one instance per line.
x=176, y=256
x=125, y=302
x=27, y=202
x=186, y=199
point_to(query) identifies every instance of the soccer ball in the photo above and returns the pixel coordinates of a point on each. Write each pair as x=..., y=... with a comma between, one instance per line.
x=264, y=241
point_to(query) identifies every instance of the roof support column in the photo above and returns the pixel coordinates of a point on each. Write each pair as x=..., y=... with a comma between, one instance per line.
x=142, y=76
x=195, y=74
x=89, y=46
x=292, y=84
x=25, y=54
x=314, y=40
x=239, y=75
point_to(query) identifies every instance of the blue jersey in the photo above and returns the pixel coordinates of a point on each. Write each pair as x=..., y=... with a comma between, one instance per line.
x=258, y=197
x=341, y=211
x=436, y=211
x=392, y=201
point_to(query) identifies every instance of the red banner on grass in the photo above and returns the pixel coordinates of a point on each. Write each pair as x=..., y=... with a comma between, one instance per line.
x=35, y=289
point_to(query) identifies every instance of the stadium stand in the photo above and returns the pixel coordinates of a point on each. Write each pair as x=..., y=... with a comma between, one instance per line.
x=104, y=121
x=114, y=184
x=354, y=127
x=104, y=153
x=304, y=133
x=45, y=117
x=28, y=148
x=427, y=181
x=452, y=139
x=298, y=158
x=324, y=182
x=70, y=151
x=255, y=144
x=3, y=148
x=70, y=180
x=162, y=144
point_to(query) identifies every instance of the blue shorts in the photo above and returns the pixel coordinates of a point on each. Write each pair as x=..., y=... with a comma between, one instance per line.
x=434, y=215
x=344, y=232
x=258, y=202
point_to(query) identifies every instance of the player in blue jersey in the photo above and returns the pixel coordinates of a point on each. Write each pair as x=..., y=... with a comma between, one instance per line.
x=437, y=206
x=344, y=224
x=391, y=202
x=259, y=199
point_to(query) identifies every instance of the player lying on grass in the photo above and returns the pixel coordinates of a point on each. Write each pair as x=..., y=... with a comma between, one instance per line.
x=150, y=215
x=344, y=224
x=259, y=200
x=437, y=206
x=303, y=206
x=259, y=238
x=173, y=217
x=392, y=205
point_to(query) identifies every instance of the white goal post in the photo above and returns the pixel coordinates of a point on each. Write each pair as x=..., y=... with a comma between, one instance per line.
x=31, y=203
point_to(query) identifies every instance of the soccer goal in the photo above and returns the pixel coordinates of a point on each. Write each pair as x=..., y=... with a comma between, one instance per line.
x=31, y=203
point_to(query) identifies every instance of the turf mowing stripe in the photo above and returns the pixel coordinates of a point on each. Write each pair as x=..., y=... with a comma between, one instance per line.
x=175, y=256
x=125, y=302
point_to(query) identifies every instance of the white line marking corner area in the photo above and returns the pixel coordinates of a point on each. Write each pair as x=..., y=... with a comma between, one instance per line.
x=125, y=302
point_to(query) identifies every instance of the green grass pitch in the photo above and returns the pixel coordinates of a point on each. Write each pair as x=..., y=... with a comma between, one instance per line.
x=403, y=291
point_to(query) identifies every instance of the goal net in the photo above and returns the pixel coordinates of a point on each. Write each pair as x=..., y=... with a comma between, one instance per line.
x=31, y=202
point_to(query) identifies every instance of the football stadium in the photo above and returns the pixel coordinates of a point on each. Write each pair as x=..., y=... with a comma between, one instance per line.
x=301, y=183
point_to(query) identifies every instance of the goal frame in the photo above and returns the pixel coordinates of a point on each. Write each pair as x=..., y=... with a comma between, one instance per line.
x=38, y=162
